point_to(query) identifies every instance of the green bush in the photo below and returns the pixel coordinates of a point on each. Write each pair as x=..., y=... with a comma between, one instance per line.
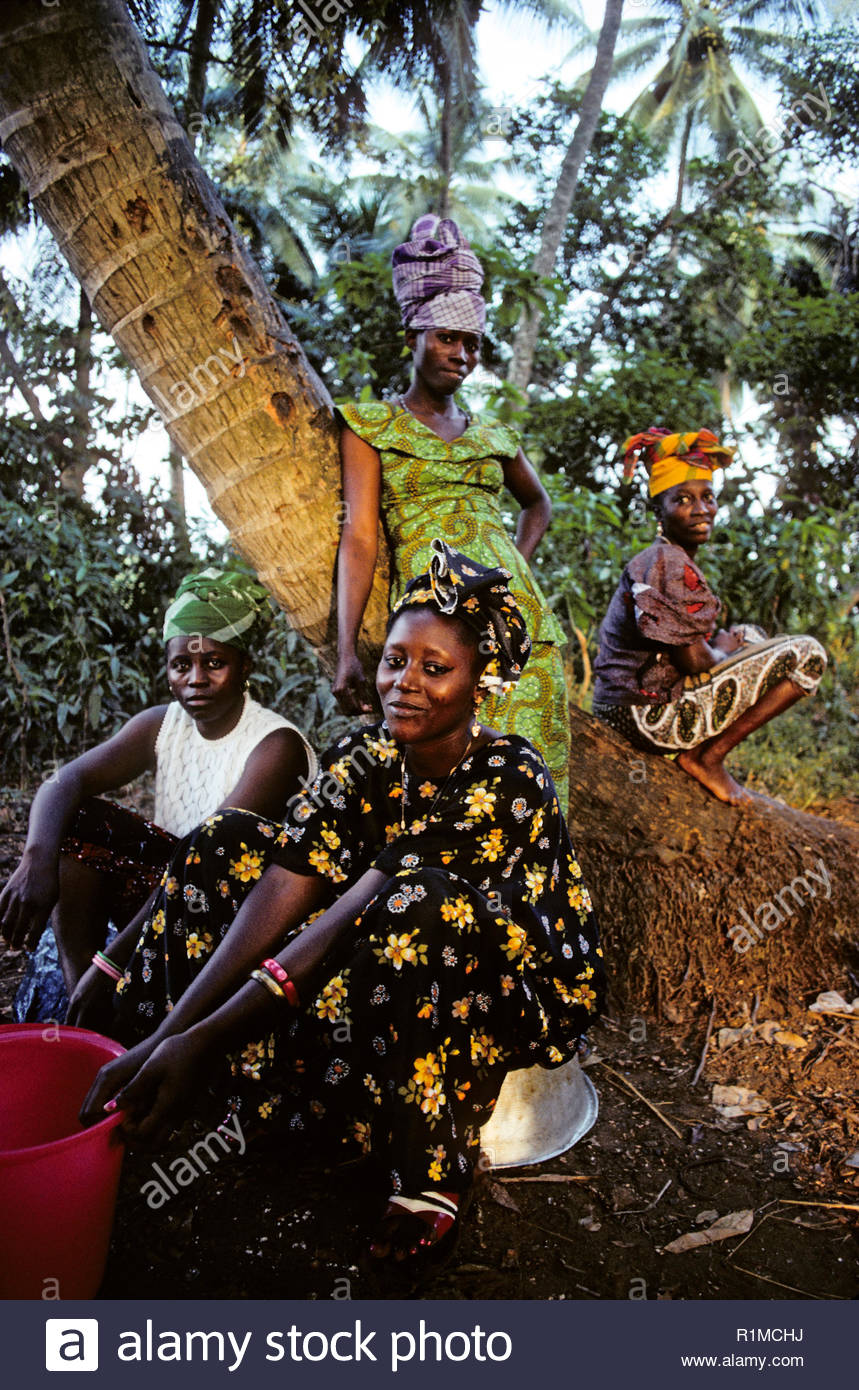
x=80, y=617
x=81, y=612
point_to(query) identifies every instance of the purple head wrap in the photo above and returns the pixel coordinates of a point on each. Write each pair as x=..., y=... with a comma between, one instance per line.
x=437, y=278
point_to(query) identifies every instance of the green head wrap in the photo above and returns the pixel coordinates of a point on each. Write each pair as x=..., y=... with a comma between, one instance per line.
x=225, y=605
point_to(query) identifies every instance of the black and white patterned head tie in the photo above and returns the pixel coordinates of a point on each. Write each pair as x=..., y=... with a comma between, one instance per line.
x=456, y=585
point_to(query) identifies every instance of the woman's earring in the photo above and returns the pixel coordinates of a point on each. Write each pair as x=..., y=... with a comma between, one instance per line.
x=478, y=701
x=659, y=530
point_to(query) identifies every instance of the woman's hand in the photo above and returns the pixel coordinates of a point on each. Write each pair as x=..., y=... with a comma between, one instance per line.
x=162, y=1088
x=112, y=1078
x=727, y=642
x=523, y=482
x=27, y=900
x=351, y=687
x=91, y=1004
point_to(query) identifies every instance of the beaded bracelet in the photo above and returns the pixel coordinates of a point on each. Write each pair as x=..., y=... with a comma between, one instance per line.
x=276, y=970
x=106, y=966
x=271, y=985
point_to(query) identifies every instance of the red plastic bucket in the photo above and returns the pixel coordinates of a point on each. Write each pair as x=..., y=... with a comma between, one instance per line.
x=58, y=1181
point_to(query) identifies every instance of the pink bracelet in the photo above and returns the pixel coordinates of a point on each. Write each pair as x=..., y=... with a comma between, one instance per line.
x=277, y=972
x=275, y=968
x=106, y=966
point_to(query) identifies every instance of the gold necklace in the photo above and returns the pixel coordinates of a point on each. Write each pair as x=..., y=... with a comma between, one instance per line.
x=408, y=409
x=404, y=780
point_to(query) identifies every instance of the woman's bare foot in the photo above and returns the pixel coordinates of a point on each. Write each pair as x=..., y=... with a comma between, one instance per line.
x=712, y=775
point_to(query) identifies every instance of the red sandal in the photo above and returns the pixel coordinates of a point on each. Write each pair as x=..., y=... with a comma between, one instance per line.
x=417, y=1227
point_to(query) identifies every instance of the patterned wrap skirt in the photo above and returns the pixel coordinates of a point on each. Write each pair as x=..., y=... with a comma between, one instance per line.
x=714, y=699
x=119, y=843
x=130, y=853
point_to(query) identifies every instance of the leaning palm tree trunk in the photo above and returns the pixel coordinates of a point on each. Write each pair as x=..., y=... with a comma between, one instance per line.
x=87, y=125
x=552, y=231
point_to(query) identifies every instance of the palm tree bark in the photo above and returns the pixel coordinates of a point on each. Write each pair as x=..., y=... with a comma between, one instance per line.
x=177, y=497
x=85, y=122
x=677, y=209
x=445, y=140
x=198, y=64
x=72, y=476
x=552, y=232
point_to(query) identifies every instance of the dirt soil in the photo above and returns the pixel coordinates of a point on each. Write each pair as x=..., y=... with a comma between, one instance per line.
x=661, y=1162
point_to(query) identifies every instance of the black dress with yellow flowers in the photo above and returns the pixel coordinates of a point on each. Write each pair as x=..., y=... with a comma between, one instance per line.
x=479, y=953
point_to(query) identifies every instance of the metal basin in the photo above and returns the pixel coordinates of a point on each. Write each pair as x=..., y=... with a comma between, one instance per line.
x=540, y=1113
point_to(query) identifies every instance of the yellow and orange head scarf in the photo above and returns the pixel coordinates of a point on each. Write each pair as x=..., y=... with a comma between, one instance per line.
x=674, y=458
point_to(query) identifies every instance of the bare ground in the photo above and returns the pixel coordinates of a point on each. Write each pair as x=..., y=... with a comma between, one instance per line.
x=591, y=1224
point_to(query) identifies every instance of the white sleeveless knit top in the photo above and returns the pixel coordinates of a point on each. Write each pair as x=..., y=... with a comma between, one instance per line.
x=193, y=775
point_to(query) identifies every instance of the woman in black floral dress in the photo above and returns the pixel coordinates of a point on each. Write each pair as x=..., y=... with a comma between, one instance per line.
x=437, y=927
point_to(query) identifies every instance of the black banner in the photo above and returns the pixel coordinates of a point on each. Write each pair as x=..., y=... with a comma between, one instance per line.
x=497, y=1345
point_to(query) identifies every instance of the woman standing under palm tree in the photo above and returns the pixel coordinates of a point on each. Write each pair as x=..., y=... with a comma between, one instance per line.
x=430, y=469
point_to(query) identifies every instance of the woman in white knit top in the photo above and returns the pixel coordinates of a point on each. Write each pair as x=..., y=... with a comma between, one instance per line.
x=91, y=861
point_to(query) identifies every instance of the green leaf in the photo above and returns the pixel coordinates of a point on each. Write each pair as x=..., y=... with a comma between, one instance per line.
x=94, y=706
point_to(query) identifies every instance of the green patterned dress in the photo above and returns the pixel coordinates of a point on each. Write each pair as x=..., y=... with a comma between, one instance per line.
x=453, y=490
